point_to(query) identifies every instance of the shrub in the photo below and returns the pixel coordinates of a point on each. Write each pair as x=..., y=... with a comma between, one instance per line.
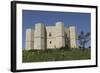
x=65, y=48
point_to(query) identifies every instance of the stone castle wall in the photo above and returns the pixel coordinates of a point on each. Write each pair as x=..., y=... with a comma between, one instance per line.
x=72, y=37
x=39, y=36
x=50, y=37
x=29, y=42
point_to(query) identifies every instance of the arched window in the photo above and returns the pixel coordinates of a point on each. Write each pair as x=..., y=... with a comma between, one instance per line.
x=50, y=35
x=50, y=42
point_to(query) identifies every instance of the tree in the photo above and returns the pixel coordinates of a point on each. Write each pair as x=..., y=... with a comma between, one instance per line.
x=83, y=39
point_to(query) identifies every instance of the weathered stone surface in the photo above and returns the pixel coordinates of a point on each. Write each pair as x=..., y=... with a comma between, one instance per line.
x=50, y=37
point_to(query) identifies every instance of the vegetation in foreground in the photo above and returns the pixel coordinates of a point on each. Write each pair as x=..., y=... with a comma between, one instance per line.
x=55, y=55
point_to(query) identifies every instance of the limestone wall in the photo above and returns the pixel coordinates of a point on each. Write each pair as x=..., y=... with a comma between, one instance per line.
x=39, y=37
x=51, y=39
x=67, y=37
x=72, y=31
x=60, y=38
x=29, y=39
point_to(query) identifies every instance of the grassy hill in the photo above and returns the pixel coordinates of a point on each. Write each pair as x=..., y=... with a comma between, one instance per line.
x=55, y=55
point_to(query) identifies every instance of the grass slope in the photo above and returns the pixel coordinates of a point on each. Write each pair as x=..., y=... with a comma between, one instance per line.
x=55, y=55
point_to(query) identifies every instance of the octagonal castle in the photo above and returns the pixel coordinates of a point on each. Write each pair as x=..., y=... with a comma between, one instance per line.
x=50, y=37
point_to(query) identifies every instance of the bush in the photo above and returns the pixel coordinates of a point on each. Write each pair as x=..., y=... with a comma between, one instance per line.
x=65, y=48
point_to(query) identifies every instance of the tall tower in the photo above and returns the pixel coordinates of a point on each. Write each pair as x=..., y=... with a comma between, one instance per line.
x=29, y=39
x=40, y=37
x=72, y=34
x=60, y=38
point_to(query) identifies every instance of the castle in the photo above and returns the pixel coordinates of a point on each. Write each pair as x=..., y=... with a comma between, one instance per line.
x=50, y=37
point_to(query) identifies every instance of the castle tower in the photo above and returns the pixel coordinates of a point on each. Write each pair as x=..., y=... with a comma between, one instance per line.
x=72, y=31
x=40, y=37
x=29, y=39
x=60, y=38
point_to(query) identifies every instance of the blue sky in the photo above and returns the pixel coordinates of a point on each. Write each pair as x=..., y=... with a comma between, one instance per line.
x=30, y=18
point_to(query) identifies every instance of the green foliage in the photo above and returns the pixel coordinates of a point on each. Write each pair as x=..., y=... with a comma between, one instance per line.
x=67, y=48
x=55, y=55
x=83, y=39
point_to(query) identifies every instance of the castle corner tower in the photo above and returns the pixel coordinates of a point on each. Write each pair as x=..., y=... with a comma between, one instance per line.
x=29, y=39
x=72, y=34
x=39, y=37
x=60, y=38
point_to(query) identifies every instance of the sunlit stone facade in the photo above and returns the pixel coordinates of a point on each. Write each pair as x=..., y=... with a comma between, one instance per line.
x=50, y=37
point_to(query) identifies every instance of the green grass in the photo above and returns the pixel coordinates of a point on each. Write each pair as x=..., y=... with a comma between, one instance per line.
x=55, y=55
